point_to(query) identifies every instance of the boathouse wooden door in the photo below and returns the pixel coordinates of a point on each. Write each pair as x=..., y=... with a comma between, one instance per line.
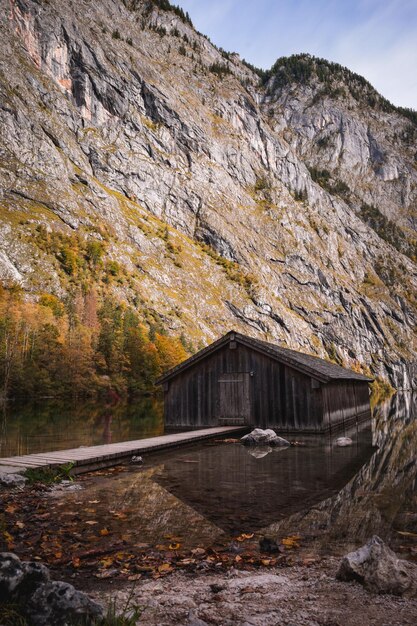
x=234, y=399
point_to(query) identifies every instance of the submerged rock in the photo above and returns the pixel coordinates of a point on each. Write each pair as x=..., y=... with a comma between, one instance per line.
x=258, y=436
x=379, y=569
x=43, y=601
x=342, y=442
x=259, y=451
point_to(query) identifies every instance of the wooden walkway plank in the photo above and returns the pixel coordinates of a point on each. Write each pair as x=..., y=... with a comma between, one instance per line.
x=105, y=455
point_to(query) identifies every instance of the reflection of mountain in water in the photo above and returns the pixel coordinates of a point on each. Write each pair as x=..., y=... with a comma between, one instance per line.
x=239, y=492
x=381, y=498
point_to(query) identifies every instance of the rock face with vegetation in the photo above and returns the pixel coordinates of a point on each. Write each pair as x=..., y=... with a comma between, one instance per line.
x=153, y=182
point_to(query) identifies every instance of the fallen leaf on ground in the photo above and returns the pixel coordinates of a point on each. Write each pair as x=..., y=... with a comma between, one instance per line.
x=119, y=514
x=165, y=568
x=9, y=539
x=104, y=574
x=291, y=542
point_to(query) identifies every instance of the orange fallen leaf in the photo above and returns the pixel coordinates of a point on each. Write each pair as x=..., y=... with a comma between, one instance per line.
x=11, y=508
x=174, y=546
x=165, y=568
x=244, y=536
x=76, y=562
x=291, y=542
x=107, y=561
x=104, y=532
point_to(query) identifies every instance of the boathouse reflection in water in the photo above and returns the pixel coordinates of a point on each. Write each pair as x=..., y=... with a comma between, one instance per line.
x=244, y=489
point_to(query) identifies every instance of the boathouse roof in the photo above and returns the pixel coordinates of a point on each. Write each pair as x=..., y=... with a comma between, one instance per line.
x=313, y=366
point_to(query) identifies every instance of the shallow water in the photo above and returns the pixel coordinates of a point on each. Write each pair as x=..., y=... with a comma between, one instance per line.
x=52, y=425
x=333, y=497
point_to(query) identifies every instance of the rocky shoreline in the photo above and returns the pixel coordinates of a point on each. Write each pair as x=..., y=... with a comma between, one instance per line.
x=293, y=596
x=368, y=586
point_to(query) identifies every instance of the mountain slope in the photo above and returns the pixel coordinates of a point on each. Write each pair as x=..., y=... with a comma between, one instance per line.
x=278, y=209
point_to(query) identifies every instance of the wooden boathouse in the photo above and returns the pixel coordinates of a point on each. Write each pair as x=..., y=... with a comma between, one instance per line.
x=238, y=380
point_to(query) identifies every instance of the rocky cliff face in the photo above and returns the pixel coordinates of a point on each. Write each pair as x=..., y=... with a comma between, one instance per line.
x=285, y=210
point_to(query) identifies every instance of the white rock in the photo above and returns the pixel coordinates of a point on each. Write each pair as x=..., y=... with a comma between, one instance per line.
x=12, y=480
x=379, y=569
x=343, y=442
x=258, y=436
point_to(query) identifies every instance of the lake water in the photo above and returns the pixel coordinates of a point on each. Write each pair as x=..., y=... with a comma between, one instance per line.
x=333, y=497
x=51, y=425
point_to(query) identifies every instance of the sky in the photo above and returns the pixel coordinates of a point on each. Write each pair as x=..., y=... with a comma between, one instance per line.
x=375, y=38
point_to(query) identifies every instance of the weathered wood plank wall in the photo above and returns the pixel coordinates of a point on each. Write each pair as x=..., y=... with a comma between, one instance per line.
x=343, y=400
x=280, y=396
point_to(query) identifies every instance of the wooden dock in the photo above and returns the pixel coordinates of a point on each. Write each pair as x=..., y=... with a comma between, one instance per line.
x=89, y=458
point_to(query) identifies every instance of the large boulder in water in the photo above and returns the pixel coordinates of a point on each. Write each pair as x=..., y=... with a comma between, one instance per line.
x=267, y=437
x=379, y=569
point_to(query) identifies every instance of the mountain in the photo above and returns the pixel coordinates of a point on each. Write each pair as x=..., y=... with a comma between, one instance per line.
x=206, y=194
